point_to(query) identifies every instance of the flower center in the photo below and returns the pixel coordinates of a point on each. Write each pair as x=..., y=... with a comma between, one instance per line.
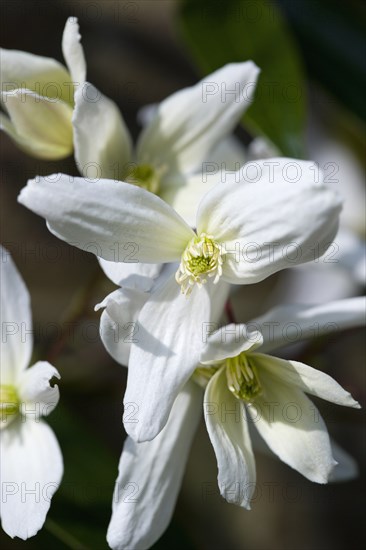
x=202, y=258
x=9, y=404
x=242, y=377
x=145, y=176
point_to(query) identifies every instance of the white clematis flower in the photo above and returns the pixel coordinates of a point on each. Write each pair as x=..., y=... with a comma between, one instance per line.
x=157, y=466
x=245, y=232
x=45, y=115
x=31, y=465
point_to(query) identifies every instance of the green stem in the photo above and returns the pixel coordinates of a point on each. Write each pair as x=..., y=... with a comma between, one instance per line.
x=59, y=532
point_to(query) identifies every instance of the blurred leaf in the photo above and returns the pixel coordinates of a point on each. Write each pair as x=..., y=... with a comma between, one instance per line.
x=331, y=36
x=236, y=30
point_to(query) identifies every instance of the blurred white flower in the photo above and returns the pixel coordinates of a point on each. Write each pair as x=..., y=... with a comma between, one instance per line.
x=31, y=465
x=45, y=101
x=238, y=378
x=38, y=95
x=340, y=273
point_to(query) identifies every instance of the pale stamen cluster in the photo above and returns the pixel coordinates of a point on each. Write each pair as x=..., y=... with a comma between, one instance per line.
x=201, y=259
x=242, y=378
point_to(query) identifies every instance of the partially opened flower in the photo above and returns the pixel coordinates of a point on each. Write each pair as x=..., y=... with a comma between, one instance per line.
x=244, y=232
x=31, y=465
x=238, y=378
x=38, y=95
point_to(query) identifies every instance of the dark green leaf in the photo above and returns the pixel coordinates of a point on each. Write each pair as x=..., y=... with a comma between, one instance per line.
x=236, y=30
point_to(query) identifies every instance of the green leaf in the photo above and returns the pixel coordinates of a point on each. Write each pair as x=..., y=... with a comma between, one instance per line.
x=222, y=32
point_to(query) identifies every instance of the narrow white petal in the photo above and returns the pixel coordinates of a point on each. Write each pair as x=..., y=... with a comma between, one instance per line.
x=150, y=475
x=114, y=220
x=42, y=125
x=268, y=224
x=34, y=389
x=130, y=274
x=227, y=427
x=16, y=321
x=230, y=341
x=285, y=325
x=191, y=122
x=169, y=342
x=293, y=429
x=43, y=75
x=73, y=51
x=31, y=469
x=305, y=378
x=345, y=469
x=118, y=323
x=101, y=139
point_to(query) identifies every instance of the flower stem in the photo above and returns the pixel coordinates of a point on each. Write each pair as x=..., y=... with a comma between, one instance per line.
x=59, y=532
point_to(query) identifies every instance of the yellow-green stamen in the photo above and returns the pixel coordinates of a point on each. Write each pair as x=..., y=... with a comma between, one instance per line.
x=145, y=176
x=202, y=258
x=242, y=377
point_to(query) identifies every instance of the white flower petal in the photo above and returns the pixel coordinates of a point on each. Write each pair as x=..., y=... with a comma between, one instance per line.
x=169, y=338
x=114, y=220
x=344, y=168
x=191, y=122
x=73, y=51
x=150, y=476
x=228, y=155
x=345, y=469
x=8, y=127
x=43, y=75
x=259, y=224
x=227, y=427
x=42, y=125
x=130, y=274
x=101, y=139
x=293, y=429
x=184, y=192
x=219, y=295
x=285, y=325
x=339, y=274
x=31, y=469
x=34, y=389
x=118, y=323
x=16, y=321
x=305, y=378
x=230, y=341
